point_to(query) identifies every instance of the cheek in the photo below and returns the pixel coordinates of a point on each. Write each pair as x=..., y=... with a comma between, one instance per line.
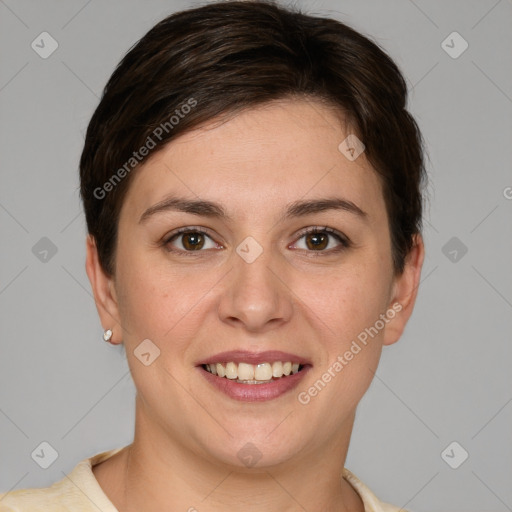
x=159, y=302
x=346, y=310
x=349, y=300
x=348, y=307
x=144, y=296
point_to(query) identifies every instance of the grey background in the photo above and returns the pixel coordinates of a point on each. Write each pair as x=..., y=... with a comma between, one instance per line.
x=448, y=379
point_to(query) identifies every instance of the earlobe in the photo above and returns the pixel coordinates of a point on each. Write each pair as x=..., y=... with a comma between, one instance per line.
x=405, y=290
x=104, y=291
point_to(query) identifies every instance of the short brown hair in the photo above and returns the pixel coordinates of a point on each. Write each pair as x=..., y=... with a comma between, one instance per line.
x=220, y=58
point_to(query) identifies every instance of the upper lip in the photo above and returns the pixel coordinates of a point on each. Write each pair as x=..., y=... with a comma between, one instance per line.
x=244, y=356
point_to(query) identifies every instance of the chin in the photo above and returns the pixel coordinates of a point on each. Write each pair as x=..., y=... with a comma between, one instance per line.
x=254, y=446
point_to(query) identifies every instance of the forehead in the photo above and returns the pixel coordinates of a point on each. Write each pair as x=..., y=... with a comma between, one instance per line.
x=258, y=160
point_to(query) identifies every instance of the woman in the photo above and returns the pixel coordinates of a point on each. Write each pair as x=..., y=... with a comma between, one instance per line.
x=252, y=188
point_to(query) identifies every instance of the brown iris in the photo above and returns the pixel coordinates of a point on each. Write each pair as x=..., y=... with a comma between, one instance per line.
x=193, y=240
x=319, y=240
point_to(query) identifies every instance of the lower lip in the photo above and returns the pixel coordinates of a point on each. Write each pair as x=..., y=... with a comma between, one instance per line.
x=255, y=392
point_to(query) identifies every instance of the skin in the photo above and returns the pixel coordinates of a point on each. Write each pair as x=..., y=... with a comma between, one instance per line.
x=187, y=433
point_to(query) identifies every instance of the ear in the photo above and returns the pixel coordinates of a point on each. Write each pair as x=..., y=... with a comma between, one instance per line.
x=104, y=292
x=405, y=289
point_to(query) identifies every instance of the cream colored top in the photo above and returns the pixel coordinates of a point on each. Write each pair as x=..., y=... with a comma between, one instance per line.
x=79, y=491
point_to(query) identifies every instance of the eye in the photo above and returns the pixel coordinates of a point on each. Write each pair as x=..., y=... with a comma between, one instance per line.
x=189, y=239
x=318, y=239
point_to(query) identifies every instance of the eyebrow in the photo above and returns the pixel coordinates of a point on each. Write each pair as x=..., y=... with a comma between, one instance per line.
x=214, y=210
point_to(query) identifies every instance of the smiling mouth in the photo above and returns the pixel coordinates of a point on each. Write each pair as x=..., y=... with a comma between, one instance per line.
x=246, y=373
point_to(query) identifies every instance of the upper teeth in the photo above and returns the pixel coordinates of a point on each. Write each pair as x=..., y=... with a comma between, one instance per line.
x=246, y=371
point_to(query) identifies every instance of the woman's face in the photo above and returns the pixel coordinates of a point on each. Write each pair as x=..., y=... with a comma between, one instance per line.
x=255, y=281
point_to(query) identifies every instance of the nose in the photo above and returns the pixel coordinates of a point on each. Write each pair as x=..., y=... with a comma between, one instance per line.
x=256, y=295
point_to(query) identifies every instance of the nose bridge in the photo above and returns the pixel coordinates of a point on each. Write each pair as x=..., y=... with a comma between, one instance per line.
x=255, y=296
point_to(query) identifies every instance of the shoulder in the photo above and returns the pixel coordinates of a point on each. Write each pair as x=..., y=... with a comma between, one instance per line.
x=77, y=491
x=370, y=501
x=34, y=500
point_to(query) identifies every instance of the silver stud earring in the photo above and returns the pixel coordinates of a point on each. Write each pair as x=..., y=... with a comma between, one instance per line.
x=107, y=335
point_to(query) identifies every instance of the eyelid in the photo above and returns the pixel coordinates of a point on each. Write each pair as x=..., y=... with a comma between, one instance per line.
x=186, y=229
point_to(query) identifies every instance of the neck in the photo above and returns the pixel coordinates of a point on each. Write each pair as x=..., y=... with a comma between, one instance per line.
x=158, y=473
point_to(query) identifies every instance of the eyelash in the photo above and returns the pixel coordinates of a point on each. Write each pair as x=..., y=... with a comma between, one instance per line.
x=345, y=243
